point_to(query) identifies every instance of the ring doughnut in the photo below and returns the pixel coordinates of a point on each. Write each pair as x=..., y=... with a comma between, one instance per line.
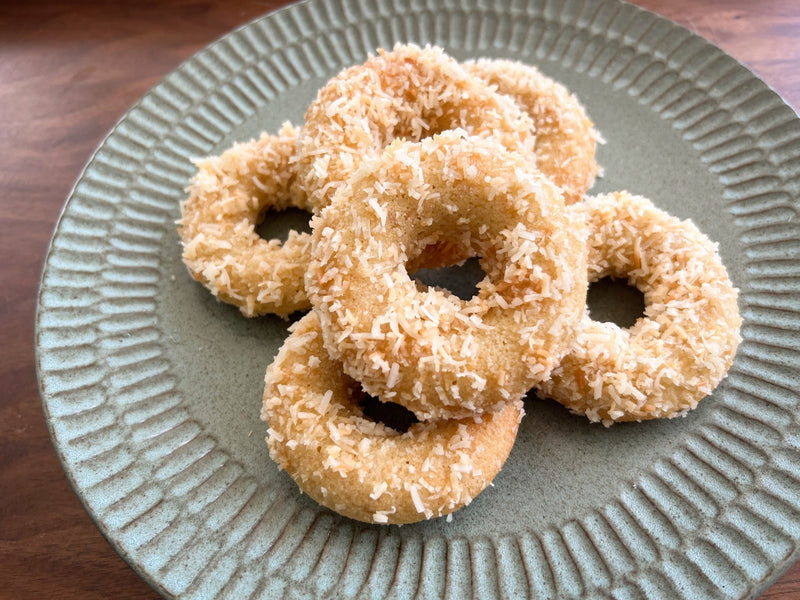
x=566, y=138
x=409, y=92
x=361, y=468
x=428, y=350
x=228, y=197
x=681, y=348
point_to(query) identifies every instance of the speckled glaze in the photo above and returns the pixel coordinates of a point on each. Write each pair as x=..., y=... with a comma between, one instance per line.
x=152, y=389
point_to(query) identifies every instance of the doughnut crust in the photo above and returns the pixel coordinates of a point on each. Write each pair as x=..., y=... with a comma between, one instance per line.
x=679, y=351
x=408, y=92
x=228, y=197
x=361, y=468
x=426, y=349
x=566, y=138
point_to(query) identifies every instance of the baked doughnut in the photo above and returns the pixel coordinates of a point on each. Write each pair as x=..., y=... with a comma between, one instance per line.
x=361, y=468
x=228, y=197
x=681, y=348
x=409, y=92
x=566, y=138
x=428, y=350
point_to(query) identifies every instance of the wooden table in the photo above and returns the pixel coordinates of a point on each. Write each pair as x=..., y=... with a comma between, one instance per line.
x=68, y=71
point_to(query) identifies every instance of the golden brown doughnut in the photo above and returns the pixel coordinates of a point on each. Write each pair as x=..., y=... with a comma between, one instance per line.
x=408, y=92
x=228, y=197
x=427, y=350
x=361, y=468
x=566, y=138
x=682, y=347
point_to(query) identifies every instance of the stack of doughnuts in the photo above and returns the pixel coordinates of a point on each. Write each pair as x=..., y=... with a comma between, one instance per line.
x=413, y=160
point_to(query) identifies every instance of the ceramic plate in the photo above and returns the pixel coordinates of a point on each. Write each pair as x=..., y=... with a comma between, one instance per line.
x=152, y=389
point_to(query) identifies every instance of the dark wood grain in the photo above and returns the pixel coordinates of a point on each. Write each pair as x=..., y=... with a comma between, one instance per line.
x=68, y=71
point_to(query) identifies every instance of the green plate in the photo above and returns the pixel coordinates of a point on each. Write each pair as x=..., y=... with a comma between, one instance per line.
x=152, y=389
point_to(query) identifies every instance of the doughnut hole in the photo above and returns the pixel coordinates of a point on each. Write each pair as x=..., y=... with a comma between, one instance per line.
x=276, y=224
x=614, y=300
x=390, y=414
x=459, y=279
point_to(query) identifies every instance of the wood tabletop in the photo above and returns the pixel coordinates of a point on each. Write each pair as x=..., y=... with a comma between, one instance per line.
x=68, y=72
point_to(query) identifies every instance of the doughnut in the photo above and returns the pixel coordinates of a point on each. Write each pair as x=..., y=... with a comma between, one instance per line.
x=426, y=349
x=566, y=138
x=408, y=92
x=360, y=468
x=679, y=351
x=228, y=197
